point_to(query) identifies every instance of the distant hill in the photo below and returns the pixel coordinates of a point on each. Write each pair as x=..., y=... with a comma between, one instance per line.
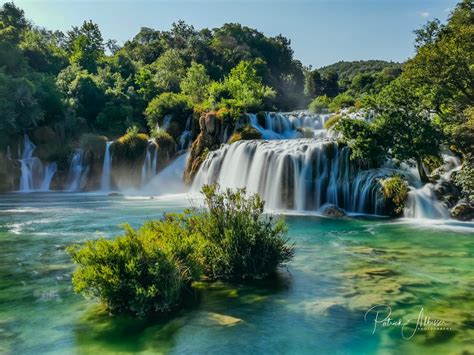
x=347, y=70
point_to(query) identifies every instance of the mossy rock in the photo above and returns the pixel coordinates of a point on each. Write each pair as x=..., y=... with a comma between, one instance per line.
x=245, y=133
x=130, y=146
x=332, y=121
x=395, y=192
x=44, y=134
x=93, y=144
x=261, y=118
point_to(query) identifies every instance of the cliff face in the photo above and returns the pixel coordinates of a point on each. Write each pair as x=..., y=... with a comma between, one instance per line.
x=209, y=138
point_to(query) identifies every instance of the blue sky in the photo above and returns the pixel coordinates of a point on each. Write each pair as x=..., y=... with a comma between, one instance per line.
x=321, y=31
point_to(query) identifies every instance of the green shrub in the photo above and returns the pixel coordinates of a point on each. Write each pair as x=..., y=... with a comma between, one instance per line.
x=341, y=101
x=151, y=269
x=465, y=178
x=140, y=272
x=131, y=145
x=178, y=106
x=320, y=104
x=332, y=121
x=164, y=141
x=395, y=191
x=241, y=241
x=245, y=133
x=305, y=132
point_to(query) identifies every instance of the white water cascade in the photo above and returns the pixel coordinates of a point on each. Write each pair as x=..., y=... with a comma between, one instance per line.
x=77, y=171
x=150, y=163
x=184, y=139
x=300, y=174
x=105, y=181
x=34, y=177
x=306, y=174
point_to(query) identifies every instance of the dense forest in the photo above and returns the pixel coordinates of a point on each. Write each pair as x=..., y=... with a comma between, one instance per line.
x=73, y=89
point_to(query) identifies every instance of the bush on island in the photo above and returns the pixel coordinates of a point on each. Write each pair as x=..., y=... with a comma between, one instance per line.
x=151, y=269
x=93, y=144
x=177, y=107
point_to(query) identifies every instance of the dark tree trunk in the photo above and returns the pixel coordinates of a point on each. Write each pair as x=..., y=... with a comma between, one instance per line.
x=423, y=177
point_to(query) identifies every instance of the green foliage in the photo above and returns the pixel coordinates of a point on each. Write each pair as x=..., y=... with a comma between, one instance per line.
x=346, y=71
x=341, y=101
x=363, y=138
x=320, y=104
x=395, y=191
x=465, y=177
x=313, y=84
x=332, y=121
x=85, y=46
x=196, y=83
x=170, y=69
x=164, y=141
x=93, y=144
x=130, y=146
x=177, y=106
x=140, y=272
x=151, y=269
x=242, y=242
x=241, y=89
x=247, y=132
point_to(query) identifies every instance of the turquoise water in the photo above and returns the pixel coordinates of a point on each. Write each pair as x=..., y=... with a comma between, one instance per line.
x=342, y=268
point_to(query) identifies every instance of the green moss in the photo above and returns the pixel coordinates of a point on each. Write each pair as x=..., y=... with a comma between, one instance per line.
x=164, y=142
x=332, y=121
x=395, y=191
x=305, y=132
x=130, y=146
x=93, y=144
x=244, y=133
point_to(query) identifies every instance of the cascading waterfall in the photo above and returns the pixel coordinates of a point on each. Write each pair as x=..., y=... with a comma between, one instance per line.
x=287, y=126
x=33, y=176
x=77, y=171
x=185, y=138
x=150, y=163
x=300, y=174
x=307, y=174
x=49, y=172
x=105, y=181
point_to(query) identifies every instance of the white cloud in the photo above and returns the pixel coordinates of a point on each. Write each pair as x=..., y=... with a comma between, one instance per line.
x=424, y=14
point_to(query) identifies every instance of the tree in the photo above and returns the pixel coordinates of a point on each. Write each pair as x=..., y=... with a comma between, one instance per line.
x=331, y=86
x=170, y=69
x=241, y=89
x=12, y=23
x=196, y=83
x=176, y=106
x=86, y=46
x=313, y=84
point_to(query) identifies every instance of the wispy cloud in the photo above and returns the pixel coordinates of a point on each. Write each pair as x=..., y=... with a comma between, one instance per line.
x=424, y=14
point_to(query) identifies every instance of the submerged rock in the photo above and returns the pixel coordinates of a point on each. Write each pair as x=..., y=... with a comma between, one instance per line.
x=333, y=211
x=114, y=194
x=463, y=211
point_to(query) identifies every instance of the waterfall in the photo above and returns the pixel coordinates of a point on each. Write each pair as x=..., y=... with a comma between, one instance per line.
x=305, y=174
x=105, y=180
x=185, y=138
x=149, y=164
x=33, y=175
x=287, y=126
x=77, y=171
x=49, y=172
x=300, y=174
x=169, y=180
x=422, y=203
